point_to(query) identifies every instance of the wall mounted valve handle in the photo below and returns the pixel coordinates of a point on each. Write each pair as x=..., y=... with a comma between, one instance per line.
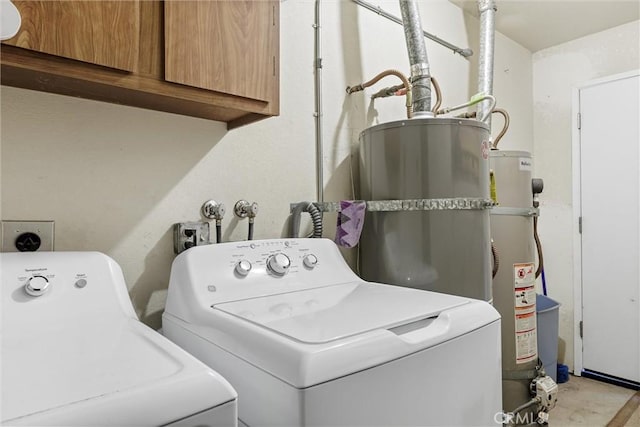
x=213, y=210
x=241, y=208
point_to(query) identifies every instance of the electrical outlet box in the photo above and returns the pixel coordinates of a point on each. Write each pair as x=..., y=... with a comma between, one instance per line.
x=189, y=234
x=27, y=236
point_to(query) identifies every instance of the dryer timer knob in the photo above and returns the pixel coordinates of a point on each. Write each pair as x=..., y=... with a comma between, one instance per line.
x=37, y=286
x=279, y=264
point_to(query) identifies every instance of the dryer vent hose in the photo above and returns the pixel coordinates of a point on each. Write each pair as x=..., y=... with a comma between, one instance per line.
x=316, y=218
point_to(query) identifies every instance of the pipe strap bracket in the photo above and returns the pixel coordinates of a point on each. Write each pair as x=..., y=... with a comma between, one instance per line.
x=420, y=70
x=528, y=212
x=447, y=204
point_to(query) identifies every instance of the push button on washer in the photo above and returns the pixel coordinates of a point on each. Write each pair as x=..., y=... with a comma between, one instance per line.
x=81, y=283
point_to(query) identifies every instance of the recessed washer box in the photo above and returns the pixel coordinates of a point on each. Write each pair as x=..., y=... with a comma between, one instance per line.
x=21, y=236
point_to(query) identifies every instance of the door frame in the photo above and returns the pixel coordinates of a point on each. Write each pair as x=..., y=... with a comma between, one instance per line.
x=577, y=210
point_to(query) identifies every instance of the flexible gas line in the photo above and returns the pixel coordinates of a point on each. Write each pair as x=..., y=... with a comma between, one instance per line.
x=505, y=127
x=537, y=186
x=479, y=97
x=405, y=82
x=399, y=90
x=496, y=260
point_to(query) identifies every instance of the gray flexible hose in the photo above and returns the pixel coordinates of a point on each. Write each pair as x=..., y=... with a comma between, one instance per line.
x=295, y=218
x=250, y=233
x=316, y=218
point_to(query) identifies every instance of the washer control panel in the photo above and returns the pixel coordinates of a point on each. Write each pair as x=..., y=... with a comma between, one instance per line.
x=310, y=261
x=278, y=264
x=237, y=270
x=243, y=267
x=277, y=258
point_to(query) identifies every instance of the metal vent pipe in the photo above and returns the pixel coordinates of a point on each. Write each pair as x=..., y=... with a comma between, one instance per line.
x=318, y=104
x=487, y=10
x=420, y=75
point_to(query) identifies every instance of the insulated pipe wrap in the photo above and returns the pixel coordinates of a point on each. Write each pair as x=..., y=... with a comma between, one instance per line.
x=420, y=75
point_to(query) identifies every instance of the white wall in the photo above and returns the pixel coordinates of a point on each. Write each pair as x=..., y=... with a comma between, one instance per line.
x=116, y=178
x=556, y=71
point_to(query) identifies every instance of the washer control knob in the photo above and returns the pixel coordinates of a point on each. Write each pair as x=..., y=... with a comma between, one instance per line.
x=310, y=261
x=279, y=264
x=36, y=286
x=243, y=267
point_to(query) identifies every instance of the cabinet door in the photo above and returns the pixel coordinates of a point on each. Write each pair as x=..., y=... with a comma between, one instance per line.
x=225, y=46
x=99, y=32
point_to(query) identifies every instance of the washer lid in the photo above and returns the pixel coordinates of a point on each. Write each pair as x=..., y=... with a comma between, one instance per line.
x=330, y=313
x=102, y=370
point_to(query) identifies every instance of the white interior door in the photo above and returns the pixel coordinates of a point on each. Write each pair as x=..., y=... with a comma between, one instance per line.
x=610, y=210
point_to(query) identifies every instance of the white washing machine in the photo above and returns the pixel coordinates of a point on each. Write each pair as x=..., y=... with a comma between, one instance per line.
x=75, y=354
x=306, y=342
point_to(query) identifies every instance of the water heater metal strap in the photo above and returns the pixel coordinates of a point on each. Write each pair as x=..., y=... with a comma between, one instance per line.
x=528, y=212
x=460, y=203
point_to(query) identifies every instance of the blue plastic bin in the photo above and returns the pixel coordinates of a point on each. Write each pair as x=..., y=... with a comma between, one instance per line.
x=547, y=311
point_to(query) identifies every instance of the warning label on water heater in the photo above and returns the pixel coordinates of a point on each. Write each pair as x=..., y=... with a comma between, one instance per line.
x=525, y=297
x=526, y=347
x=524, y=302
x=526, y=337
x=523, y=274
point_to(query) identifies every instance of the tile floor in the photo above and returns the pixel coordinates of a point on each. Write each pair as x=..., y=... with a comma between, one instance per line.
x=586, y=402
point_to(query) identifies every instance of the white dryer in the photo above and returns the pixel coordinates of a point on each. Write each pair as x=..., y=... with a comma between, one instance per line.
x=306, y=342
x=75, y=354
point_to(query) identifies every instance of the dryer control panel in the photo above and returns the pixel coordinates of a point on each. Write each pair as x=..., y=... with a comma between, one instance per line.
x=239, y=270
x=43, y=289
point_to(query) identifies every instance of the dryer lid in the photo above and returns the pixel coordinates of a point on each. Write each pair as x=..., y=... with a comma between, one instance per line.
x=330, y=313
x=104, y=371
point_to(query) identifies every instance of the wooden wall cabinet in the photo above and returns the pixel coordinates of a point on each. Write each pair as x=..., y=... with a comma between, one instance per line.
x=213, y=59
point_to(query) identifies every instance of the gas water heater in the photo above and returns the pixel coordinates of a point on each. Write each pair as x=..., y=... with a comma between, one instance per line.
x=527, y=393
x=437, y=170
